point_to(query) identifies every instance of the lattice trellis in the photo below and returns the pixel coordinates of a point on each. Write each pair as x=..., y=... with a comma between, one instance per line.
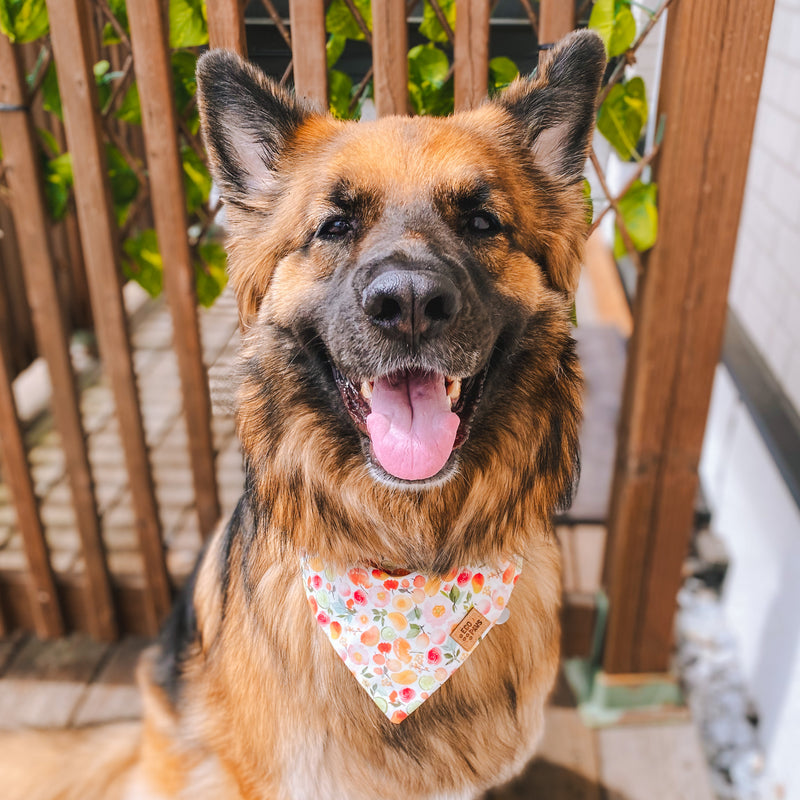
x=135, y=146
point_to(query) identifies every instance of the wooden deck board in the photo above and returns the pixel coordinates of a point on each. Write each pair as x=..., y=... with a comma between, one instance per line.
x=8, y=647
x=566, y=767
x=114, y=696
x=45, y=681
x=653, y=762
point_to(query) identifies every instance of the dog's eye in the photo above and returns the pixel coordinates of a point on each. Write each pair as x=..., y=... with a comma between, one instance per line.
x=335, y=228
x=482, y=223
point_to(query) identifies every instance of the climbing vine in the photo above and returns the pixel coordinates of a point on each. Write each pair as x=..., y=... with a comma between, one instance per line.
x=26, y=21
x=621, y=118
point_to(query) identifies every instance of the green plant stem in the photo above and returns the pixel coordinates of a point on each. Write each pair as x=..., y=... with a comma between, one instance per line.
x=633, y=253
x=640, y=168
x=646, y=9
x=619, y=70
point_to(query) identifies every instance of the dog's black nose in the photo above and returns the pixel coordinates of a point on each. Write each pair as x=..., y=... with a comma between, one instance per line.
x=414, y=304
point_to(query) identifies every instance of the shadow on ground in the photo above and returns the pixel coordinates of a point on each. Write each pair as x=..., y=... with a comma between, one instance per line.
x=543, y=780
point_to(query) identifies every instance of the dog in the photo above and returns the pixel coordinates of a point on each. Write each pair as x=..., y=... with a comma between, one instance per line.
x=379, y=617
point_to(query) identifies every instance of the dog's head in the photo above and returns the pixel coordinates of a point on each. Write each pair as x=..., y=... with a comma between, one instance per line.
x=410, y=279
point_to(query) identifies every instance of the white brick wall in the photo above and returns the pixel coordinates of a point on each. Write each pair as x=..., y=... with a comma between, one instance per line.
x=765, y=287
x=752, y=508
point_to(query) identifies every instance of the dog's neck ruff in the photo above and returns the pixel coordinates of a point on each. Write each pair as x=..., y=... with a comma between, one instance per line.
x=403, y=634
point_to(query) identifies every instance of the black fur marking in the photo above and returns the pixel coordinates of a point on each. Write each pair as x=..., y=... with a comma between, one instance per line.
x=355, y=201
x=511, y=693
x=468, y=197
x=177, y=635
x=241, y=520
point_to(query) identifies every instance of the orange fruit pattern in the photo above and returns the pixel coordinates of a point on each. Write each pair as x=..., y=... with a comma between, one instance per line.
x=394, y=630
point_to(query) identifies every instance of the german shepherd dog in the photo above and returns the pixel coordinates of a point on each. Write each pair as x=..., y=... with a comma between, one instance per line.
x=409, y=412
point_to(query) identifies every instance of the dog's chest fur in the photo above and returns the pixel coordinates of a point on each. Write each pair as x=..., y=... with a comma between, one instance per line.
x=410, y=395
x=292, y=722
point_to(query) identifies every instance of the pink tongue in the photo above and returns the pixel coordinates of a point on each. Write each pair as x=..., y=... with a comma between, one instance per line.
x=411, y=426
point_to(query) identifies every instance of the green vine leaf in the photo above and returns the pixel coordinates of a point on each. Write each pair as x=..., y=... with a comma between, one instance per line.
x=196, y=180
x=623, y=115
x=184, y=83
x=143, y=263
x=613, y=20
x=502, y=71
x=49, y=142
x=130, y=110
x=187, y=23
x=431, y=28
x=639, y=211
x=124, y=183
x=51, y=97
x=334, y=48
x=340, y=92
x=427, y=64
x=588, y=202
x=57, y=185
x=104, y=79
x=211, y=275
x=429, y=88
x=120, y=11
x=340, y=22
x=23, y=20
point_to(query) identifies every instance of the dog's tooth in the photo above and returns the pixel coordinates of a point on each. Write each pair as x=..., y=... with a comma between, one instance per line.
x=454, y=389
x=366, y=389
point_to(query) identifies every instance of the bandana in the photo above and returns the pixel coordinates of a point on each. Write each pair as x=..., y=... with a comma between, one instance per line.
x=403, y=634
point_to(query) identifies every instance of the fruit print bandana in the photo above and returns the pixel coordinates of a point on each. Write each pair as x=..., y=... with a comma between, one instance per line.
x=403, y=634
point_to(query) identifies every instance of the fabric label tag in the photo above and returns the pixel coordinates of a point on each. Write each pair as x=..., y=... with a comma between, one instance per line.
x=468, y=632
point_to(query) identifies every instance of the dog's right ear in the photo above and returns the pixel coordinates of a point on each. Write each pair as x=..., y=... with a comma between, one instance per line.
x=247, y=120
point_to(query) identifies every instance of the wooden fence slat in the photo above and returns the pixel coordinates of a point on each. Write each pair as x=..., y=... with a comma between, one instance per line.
x=556, y=19
x=471, y=53
x=159, y=120
x=21, y=157
x=309, y=59
x=70, y=30
x=42, y=590
x=14, y=311
x=226, y=25
x=679, y=318
x=389, y=57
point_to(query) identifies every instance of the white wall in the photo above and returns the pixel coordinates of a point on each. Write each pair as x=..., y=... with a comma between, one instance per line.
x=765, y=288
x=752, y=508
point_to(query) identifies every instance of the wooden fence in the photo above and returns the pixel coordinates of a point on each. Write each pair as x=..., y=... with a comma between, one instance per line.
x=673, y=355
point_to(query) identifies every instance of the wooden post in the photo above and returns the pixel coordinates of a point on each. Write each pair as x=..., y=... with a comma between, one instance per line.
x=471, y=52
x=556, y=19
x=390, y=56
x=44, y=603
x=309, y=60
x=713, y=65
x=226, y=25
x=22, y=166
x=159, y=121
x=70, y=30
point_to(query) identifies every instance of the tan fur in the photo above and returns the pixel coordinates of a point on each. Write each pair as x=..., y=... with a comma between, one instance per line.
x=253, y=703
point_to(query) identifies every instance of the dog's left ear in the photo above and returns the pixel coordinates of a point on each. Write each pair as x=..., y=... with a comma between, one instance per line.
x=247, y=121
x=556, y=106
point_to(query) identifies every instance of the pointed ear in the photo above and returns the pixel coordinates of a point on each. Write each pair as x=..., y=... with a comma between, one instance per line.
x=556, y=106
x=246, y=119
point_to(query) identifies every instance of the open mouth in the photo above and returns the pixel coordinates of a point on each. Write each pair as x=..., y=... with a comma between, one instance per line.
x=415, y=419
